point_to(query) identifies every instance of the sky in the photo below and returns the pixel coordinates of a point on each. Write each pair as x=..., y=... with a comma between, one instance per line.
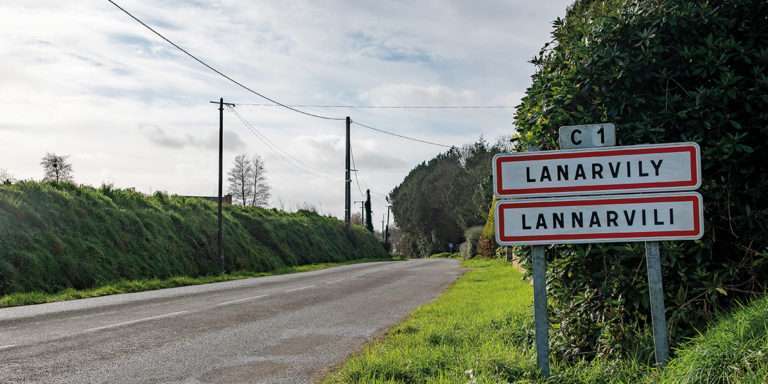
x=80, y=78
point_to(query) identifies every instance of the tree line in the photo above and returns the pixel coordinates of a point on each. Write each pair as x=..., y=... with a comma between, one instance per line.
x=442, y=198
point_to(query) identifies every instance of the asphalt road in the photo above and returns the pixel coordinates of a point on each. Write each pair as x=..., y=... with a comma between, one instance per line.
x=277, y=329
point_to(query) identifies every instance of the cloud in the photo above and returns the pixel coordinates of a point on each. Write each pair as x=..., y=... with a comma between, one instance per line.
x=409, y=94
x=158, y=136
x=327, y=152
x=380, y=49
x=82, y=91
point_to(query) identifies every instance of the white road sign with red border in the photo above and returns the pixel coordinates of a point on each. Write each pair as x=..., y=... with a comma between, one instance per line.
x=600, y=219
x=627, y=169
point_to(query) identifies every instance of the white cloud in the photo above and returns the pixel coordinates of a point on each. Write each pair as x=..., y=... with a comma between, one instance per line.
x=81, y=78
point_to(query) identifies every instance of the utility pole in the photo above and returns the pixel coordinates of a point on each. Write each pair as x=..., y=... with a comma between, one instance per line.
x=348, y=183
x=220, y=243
x=362, y=211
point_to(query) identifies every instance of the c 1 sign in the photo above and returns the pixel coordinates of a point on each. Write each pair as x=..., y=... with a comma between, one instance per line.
x=600, y=219
x=587, y=136
x=628, y=169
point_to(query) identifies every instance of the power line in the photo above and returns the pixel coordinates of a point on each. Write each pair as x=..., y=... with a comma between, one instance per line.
x=273, y=101
x=343, y=106
x=271, y=145
x=241, y=85
x=399, y=135
x=354, y=167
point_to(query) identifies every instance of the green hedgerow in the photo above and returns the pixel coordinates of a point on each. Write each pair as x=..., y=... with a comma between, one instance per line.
x=662, y=71
x=54, y=237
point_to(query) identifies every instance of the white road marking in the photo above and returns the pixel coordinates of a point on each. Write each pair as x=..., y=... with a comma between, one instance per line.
x=136, y=321
x=334, y=281
x=300, y=288
x=241, y=300
x=7, y=346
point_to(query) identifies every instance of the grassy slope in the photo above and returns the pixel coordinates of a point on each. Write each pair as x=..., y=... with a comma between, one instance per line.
x=57, y=237
x=734, y=350
x=480, y=331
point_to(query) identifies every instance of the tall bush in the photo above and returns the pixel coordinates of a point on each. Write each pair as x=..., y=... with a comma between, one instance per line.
x=662, y=71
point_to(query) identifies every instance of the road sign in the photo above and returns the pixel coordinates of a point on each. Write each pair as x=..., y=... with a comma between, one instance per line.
x=600, y=219
x=627, y=169
x=587, y=136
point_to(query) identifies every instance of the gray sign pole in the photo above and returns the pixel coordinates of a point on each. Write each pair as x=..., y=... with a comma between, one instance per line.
x=540, y=308
x=656, y=293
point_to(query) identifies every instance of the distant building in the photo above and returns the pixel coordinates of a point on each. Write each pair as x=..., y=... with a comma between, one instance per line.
x=226, y=199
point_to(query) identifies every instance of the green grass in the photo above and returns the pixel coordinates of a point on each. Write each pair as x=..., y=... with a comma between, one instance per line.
x=128, y=286
x=59, y=237
x=734, y=350
x=480, y=327
x=480, y=331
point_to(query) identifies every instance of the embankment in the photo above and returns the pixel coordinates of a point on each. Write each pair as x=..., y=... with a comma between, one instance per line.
x=66, y=236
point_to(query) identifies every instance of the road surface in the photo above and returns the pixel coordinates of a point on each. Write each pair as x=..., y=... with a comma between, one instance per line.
x=277, y=329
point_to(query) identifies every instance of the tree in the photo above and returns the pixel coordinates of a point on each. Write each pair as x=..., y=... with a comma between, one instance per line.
x=662, y=71
x=441, y=198
x=260, y=189
x=368, y=212
x=240, y=179
x=56, y=168
x=6, y=177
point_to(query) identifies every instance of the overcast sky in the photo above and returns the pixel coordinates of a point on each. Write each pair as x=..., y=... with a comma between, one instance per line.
x=80, y=78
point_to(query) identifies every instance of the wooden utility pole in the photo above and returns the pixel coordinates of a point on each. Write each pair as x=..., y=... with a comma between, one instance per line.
x=362, y=211
x=348, y=183
x=220, y=242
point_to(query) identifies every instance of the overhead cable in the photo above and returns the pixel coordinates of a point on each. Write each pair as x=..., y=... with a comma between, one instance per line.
x=354, y=168
x=343, y=106
x=399, y=135
x=222, y=74
x=271, y=145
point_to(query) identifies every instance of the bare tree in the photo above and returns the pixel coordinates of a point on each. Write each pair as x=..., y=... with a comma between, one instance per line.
x=260, y=194
x=240, y=179
x=56, y=168
x=6, y=177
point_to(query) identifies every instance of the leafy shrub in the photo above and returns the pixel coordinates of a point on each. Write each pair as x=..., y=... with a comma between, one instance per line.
x=662, y=71
x=54, y=237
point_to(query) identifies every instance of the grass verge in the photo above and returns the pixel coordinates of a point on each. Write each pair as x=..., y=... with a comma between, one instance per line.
x=480, y=331
x=128, y=286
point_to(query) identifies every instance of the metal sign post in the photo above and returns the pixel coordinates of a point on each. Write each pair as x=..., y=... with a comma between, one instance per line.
x=656, y=294
x=578, y=203
x=540, y=317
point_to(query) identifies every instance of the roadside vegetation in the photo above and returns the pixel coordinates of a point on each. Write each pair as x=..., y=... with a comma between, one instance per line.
x=481, y=331
x=661, y=71
x=479, y=328
x=59, y=236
